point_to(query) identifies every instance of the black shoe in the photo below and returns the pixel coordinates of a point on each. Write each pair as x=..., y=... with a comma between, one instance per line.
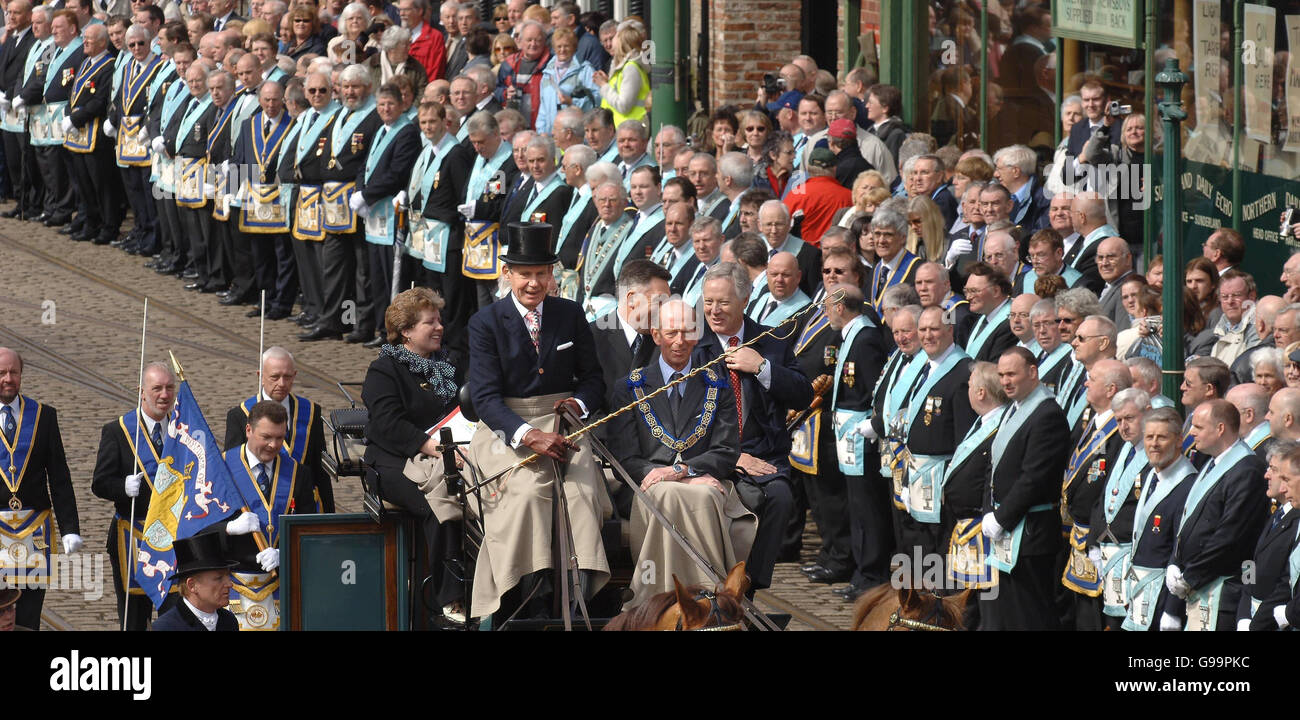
x=69, y=230
x=12, y=213
x=41, y=218
x=210, y=288
x=189, y=274
x=828, y=576
x=850, y=593
x=320, y=332
x=56, y=220
x=164, y=268
x=277, y=315
x=306, y=319
x=256, y=311
x=233, y=299
x=80, y=236
x=103, y=240
x=194, y=286
x=374, y=342
x=359, y=336
x=128, y=248
x=121, y=242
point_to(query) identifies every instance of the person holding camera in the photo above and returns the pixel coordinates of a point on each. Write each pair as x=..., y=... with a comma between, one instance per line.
x=1096, y=103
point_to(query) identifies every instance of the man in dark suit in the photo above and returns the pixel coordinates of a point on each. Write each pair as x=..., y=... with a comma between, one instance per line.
x=92, y=151
x=305, y=435
x=14, y=72
x=187, y=145
x=859, y=361
x=575, y=220
x=774, y=226
x=32, y=431
x=925, y=179
x=1157, y=516
x=124, y=468
x=51, y=82
x=1023, y=499
x=766, y=382
x=1014, y=168
x=1225, y=511
x=545, y=197
x=895, y=264
x=938, y=415
x=690, y=481
x=229, y=277
x=988, y=292
x=345, y=260
x=934, y=289
x=1093, y=458
x=258, y=150
x=1096, y=117
x=1115, y=265
x=534, y=354
x=203, y=575
x=492, y=175
x=1255, y=611
x=386, y=172
x=1089, y=211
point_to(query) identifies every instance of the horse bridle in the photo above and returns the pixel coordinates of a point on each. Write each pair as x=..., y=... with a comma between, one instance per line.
x=715, y=615
x=898, y=622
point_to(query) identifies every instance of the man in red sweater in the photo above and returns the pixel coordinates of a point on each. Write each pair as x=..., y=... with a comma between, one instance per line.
x=819, y=197
x=428, y=47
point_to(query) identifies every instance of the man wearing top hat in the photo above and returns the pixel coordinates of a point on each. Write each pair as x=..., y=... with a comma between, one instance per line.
x=9, y=610
x=533, y=355
x=204, y=579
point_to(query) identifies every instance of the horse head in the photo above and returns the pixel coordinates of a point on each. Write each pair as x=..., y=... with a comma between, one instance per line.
x=909, y=609
x=692, y=607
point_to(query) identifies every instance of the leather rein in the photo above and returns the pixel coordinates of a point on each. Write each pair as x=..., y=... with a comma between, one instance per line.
x=715, y=615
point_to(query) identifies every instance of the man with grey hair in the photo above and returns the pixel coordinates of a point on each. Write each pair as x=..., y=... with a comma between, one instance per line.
x=1110, y=529
x=774, y=225
x=1252, y=403
x=923, y=176
x=600, y=248
x=1000, y=251
x=632, y=138
x=428, y=46
x=1146, y=377
x=229, y=276
x=486, y=194
x=126, y=121
x=545, y=198
x=90, y=143
x=520, y=77
x=668, y=142
x=735, y=178
x=767, y=382
x=567, y=129
x=1267, y=309
x=581, y=211
x=345, y=260
x=838, y=105
x=1055, y=358
x=1089, y=212
x=895, y=264
x=702, y=171
x=706, y=240
x=1014, y=167
x=598, y=132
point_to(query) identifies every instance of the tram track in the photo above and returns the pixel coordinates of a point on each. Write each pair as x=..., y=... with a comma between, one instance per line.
x=59, y=365
x=328, y=381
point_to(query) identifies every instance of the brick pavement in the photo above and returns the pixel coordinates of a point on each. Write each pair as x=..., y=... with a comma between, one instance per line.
x=98, y=330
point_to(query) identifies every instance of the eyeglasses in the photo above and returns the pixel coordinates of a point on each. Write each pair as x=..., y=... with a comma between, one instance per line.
x=137, y=43
x=316, y=91
x=302, y=21
x=1086, y=338
x=1059, y=321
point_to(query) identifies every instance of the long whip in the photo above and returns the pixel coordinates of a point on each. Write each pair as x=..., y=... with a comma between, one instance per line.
x=139, y=420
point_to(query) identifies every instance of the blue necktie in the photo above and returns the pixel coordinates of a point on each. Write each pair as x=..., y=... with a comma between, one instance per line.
x=7, y=422
x=263, y=482
x=156, y=436
x=675, y=395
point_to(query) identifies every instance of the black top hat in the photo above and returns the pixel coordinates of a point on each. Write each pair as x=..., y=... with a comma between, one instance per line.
x=9, y=596
x=199, y=553
x=529, y=244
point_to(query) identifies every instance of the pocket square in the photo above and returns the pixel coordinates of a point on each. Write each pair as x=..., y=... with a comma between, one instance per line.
x=564, y=346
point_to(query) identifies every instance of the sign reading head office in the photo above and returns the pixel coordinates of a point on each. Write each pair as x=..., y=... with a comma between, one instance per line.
x=1110, y=22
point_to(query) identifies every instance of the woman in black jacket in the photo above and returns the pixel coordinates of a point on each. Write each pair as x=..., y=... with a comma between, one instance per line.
x=410, y=388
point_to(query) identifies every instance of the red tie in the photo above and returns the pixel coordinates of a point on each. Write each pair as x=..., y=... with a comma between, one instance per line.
x=735, y=389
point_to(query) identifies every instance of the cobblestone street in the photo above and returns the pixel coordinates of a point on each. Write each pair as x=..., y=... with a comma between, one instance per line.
x=74, y=311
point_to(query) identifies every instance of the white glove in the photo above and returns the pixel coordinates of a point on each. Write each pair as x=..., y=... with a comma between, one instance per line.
x=1169, y=622
x=243, y=525
x=209, y=190
x=1094, y=556
x=399, y=202
x=269, y=559
x=959, y=247
x=1175, y=583
x=67, y=125
x=990, y=527
x=1243, y=625
x=132, y=483
x=159, y=145
x=18, y=104
x=71, y=543
x=467, y=210
x=109, y=130
x=1279, y=616
x=4, y=97
x=356, y=202
x=907, y=499
x=865, y=429
x=5, y=105
x=225, y=167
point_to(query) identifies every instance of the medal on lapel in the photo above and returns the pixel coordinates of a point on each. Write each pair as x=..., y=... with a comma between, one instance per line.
x=437, y=178
x=929, y=409
x=848, y=374
x=1155, y=524
x=320, y=147
x=829, y=354
x=1094, y=471
x=66, y=77
x=539, y=217
x=358, y=142
x=198, y=133
x=333, y=164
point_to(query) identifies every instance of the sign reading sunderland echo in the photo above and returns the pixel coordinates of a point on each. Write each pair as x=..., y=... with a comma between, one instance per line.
x=1110, y=22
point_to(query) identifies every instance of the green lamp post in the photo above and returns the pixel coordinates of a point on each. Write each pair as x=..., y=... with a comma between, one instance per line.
x=1171, y=80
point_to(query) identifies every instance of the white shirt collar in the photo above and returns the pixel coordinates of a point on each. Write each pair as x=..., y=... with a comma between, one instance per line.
x=1177, y=468
x=261, y=395
x=726, y=339
x=253, y=462
x=643, y=214
x=629, y=332
x=539, y=184
x=892, y=263
x=668, y=370
x=1103, y=417
x=481, y=103
x=209, y=619
x=993, y=415
x=935, y=362
x=844, y=331
x=13, y=407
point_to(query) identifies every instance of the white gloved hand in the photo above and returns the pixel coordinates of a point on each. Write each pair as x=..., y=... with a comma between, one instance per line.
x=356, y=202
x=1169, y=622
x=959, y=247
x=269, y=559
x=245, y=524
x=990, y=527
x=399, y=201
x=865, y=429
x=5, y=105
x=132, y=483
x=18, y=104
x=71, y=543
x=1279, y=617
x=159, y=145
x=1175, y=583
x=1243, y=625
x=109, y=130
x=225, y=167
x=906, y=497
x=467, y=210
x=4, y=97
x=67, y=125
x=1094, y=556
